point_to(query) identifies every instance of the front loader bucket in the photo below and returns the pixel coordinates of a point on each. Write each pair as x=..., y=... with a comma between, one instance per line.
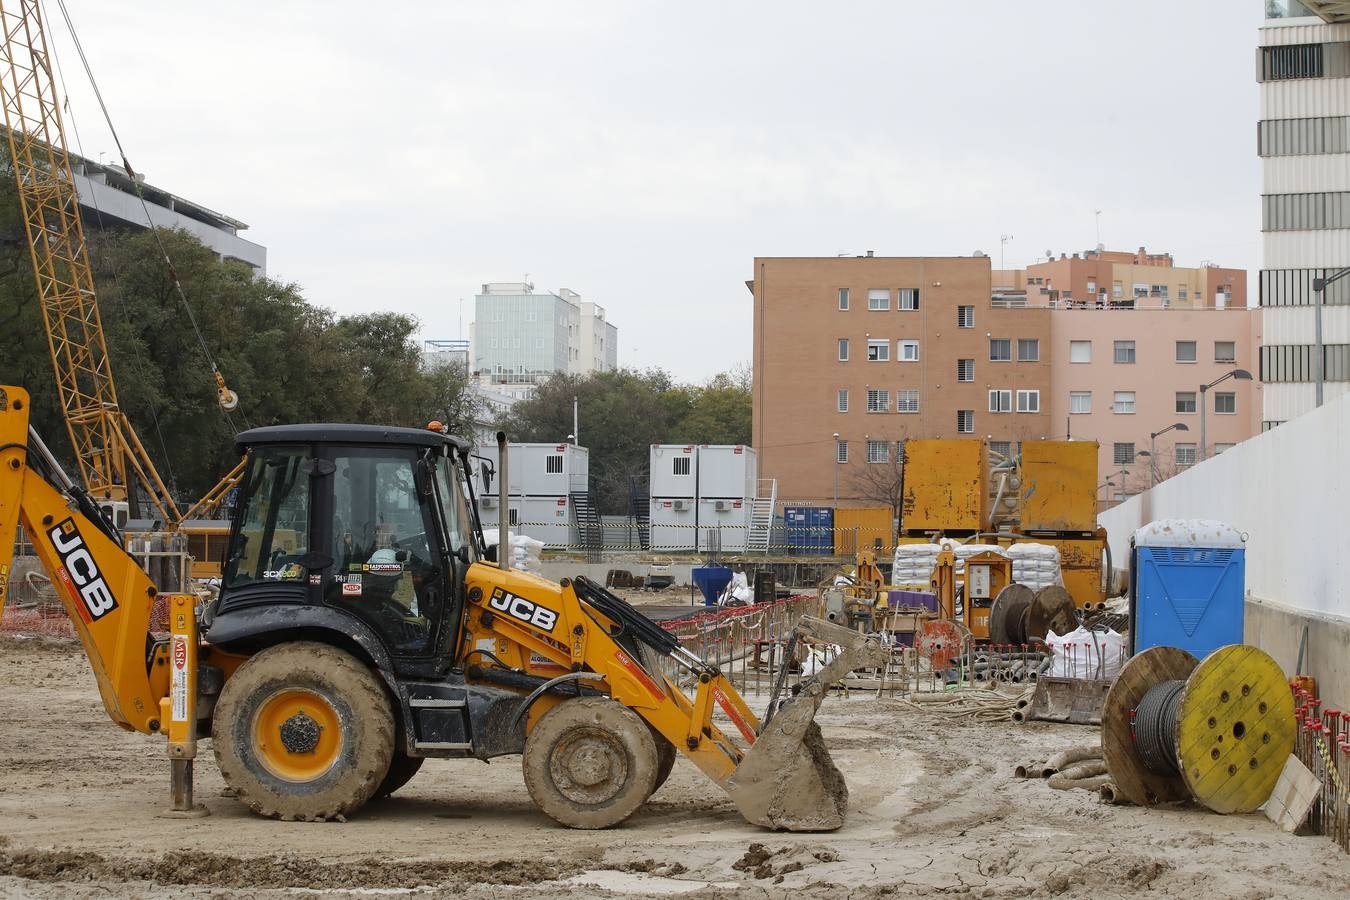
x=787, y=780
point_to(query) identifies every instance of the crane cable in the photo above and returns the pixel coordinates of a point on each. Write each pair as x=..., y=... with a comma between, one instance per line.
x=131, y=174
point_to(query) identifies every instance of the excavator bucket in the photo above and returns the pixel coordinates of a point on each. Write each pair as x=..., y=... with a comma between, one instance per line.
x=787, y=779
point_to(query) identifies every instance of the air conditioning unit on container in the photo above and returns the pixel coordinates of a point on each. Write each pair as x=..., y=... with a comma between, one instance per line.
x=722, y=506
x=680, y=505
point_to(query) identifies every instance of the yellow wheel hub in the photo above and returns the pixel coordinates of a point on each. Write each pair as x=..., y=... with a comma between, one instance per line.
x=296, y=735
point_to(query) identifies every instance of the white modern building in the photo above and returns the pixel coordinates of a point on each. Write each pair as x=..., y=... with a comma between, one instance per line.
x=1303, y=139
x=438, y=354
x=522, y=338
x=108, y=200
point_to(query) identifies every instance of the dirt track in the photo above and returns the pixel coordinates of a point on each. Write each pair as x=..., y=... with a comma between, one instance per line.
x=935, y=809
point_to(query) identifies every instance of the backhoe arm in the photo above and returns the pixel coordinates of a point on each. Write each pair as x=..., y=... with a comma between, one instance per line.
x=107, y=596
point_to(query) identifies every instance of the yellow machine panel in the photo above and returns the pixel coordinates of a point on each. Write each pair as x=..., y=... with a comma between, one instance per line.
x=858, y=529
x=944, y=486
x=1080, y=563
x=1059, y=486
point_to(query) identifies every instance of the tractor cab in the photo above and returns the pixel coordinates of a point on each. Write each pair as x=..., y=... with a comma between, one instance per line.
x=336, y=523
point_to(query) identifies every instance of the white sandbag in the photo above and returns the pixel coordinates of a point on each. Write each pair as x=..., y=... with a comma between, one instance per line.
x=1086, y=654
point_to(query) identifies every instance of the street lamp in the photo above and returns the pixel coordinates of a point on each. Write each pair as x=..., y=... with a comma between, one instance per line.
x=1153, y=450
x=836, y=470
x=1240, y=375
x=1319, y=287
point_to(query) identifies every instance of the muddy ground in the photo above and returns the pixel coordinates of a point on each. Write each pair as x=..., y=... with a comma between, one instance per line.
x=935, y=810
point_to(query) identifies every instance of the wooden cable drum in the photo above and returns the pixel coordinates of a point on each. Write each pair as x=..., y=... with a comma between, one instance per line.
x=1052, y=609
x=1218, y=731
x=1008, y=615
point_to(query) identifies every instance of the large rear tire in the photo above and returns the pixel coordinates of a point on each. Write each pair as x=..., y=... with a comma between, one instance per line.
x=665, y=758
x=401, y=770
x=590, y=762
x=303, y=731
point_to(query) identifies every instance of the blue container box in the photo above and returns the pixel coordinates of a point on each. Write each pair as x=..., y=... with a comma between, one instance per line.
x=809, y=529
x=1187, y=586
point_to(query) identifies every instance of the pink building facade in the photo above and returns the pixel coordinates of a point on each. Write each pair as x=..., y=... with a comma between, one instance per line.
x=1118, y=375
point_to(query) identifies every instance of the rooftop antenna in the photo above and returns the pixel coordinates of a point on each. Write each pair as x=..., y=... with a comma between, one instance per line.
x=1098, y=214
x=1002, y=245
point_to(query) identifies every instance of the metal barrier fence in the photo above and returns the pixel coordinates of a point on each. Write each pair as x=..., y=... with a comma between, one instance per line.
x=717, y=539
x=1322, y=743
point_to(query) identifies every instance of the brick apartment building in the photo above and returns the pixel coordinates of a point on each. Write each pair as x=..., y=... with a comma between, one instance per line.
x=877, y=350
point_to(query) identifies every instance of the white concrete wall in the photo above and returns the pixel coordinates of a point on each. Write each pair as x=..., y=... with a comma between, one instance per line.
x=1288, y=490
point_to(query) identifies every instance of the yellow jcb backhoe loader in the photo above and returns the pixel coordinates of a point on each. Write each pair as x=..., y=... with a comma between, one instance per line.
x=361, y=627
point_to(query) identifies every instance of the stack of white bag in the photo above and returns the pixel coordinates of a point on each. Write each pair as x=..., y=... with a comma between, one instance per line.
x=1035, y=565
x=965, y=551
x=524, y=550
x=914, y=563
x=1086, y=654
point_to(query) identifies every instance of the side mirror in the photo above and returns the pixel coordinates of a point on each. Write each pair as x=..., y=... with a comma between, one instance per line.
x=462, y=554
x=485, y=472
x=425, y=485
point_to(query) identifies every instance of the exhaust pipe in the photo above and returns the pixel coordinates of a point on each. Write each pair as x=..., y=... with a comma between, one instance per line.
x=503, y=514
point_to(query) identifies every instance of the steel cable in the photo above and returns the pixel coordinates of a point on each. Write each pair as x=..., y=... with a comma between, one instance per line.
x=1155, y=727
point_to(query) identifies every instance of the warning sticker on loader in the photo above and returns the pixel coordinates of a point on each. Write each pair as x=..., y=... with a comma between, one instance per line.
x=178, y=685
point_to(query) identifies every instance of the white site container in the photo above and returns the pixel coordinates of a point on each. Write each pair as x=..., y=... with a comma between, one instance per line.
x=727, y=471
x=547, y=519
x=723, y=524
x=674, y=471
x=536, y=470
x=672, y=524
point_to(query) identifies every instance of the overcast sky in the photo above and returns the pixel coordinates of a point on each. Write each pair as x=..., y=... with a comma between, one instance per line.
x=399, y=155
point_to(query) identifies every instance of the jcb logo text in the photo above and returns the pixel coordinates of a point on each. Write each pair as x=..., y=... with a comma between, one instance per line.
x=81, y=573
x=524, y=610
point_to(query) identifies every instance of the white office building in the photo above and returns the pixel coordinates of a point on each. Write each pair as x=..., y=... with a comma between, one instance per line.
x=521, y=338
x=1303, y=138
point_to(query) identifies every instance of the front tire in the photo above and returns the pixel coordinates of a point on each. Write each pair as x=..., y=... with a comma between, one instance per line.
x=590, y=762
x=303, y=731
x=401, y=770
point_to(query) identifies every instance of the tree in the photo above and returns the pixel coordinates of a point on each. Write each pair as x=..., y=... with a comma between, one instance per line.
x=879, y=484
x=719, y=412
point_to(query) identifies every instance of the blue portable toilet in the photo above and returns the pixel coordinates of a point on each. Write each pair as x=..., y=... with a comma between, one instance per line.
x=1187, y=585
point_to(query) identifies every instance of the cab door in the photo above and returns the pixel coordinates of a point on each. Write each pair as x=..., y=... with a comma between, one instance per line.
x=387, y=566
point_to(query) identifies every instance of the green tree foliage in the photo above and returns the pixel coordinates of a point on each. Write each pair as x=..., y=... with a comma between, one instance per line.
x=288, y=360
x=622, y=413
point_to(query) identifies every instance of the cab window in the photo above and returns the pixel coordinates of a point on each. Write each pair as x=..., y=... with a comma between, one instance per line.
x=385, y=569
x=273, y=528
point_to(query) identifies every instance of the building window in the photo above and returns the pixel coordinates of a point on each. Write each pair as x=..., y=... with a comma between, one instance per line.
x=1117, y=290
x=843, y=349
x=680, y=465
x=1125, y=351
x=842, y=400
x=1002, y=448
x=965, y=370
x=1185, y=401
x=1185, y=455
x=878, y=451
x=878, y=350
x=1291, y=61
x=841, y=452
x=1000, y=401
x=1185, y=351
x=1080, y=401
x=1303, y=137
x=1295, y=363
x=1080, y=351
x=843, y=298
x=1028, y=401
x=1225, y=403
x=1028, y=350
x=907, y=351
x=878, y=298
x=906, y=401
x=1122, y=454
x=1181, y=292
x=553, y=464
x=965, y=317
x=907, y=298
x=1123, y=402
x=1305, y=212
x=1225, y=351
x=1000, y=349
x=878, y=400
x=1219, y=448
x=965, y=421
x=1092, y=288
